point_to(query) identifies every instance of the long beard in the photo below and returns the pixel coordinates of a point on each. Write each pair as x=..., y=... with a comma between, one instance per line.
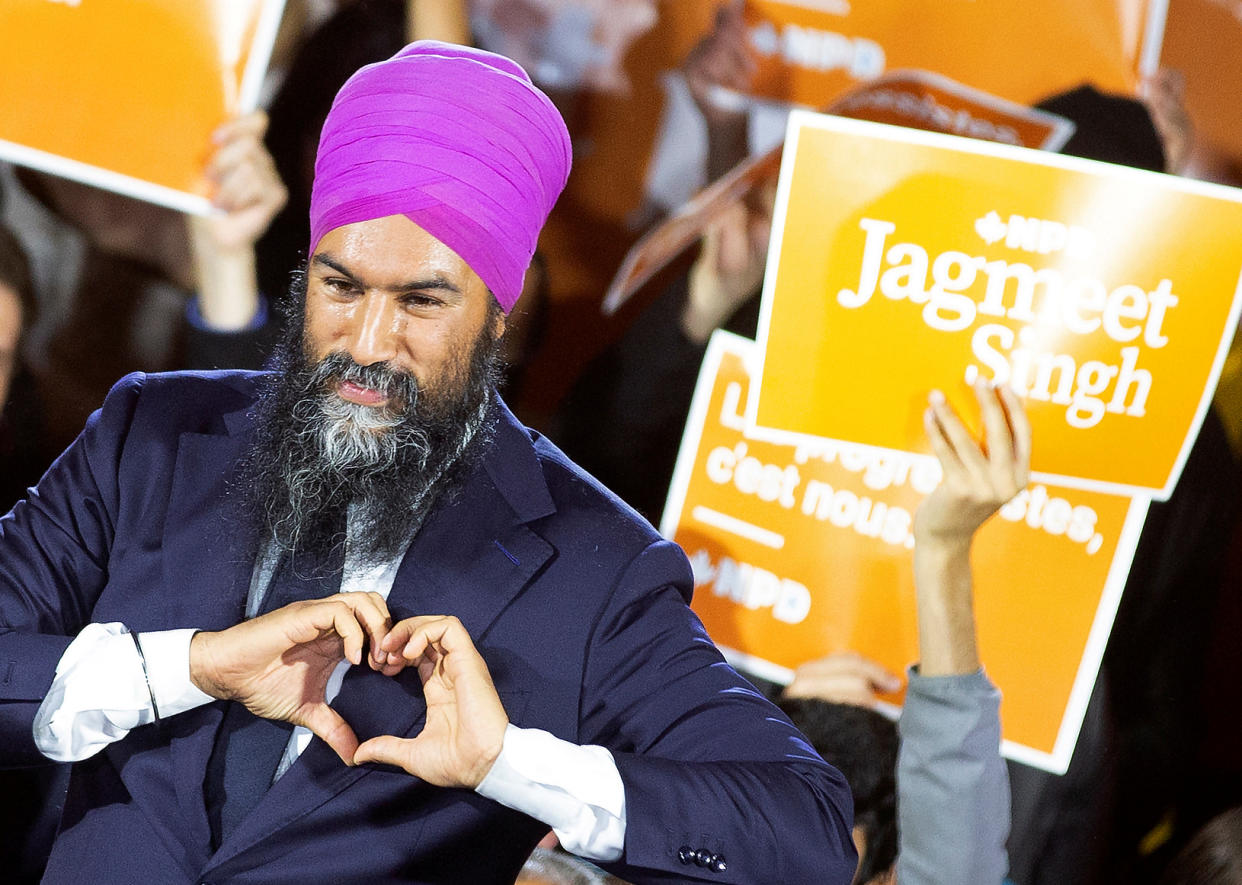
x=317, y=459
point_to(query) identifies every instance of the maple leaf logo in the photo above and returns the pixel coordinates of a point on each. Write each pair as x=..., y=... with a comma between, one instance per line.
x=991, y=228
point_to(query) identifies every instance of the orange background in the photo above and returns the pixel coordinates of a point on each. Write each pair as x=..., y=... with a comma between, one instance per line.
x=133, y=88
x=1203, y=40
x=1020, y=51
x=1036, y=594
x=863, y=374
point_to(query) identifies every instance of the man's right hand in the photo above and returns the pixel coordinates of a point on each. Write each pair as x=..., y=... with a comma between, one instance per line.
x=278, y=664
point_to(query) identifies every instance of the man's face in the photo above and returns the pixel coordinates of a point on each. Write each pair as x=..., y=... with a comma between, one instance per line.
x=386, y=291
x=10, y=333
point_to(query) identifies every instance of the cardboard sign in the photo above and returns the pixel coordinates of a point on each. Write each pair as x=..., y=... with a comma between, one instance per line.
x=125, y=95
x=903, y=261
x=659, y=246
x=923, y=100
x=810, y=51
x=801, y=551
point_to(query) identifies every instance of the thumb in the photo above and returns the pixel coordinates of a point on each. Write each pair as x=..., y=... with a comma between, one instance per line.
x=327, y=725
x=386, y=750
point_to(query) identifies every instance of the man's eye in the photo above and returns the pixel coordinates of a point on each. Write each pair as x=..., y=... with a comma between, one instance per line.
x=419, y=300
x=340, y=287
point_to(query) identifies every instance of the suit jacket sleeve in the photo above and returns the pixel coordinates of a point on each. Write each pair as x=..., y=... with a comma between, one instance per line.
x=708, y=764
x=54, y=550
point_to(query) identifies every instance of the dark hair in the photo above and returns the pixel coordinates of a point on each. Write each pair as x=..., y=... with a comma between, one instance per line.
x=862, y=745
x=15, y=273
x=1109, y=128
x=1214, y=855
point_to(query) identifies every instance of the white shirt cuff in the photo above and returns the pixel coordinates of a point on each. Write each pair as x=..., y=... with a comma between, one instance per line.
x=576, y=790
x=99, y=693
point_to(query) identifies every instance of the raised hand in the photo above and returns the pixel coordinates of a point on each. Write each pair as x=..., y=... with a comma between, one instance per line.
x=248, y=192
x=978, y=479
x=244, y=181
x=278, y=664
x=728, y=270
x=466, y=722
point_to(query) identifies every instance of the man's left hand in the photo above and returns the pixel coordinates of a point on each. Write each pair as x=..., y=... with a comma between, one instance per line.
x=466, y=722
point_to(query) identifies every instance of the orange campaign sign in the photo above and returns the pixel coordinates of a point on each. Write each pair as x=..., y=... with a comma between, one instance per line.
x=125, y=95
x=904, y=260
x=923, y=100
x=803, y=550
x=810, y=51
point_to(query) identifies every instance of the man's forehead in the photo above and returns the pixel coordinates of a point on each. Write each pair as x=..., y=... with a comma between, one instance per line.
x=391, y=252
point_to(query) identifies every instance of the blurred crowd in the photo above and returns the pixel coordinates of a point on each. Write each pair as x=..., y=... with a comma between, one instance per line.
x=94, y=285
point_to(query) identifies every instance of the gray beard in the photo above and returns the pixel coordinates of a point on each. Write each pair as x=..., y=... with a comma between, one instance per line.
x=318, y=460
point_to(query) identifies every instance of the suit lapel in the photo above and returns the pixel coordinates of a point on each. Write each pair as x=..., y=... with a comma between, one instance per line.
x=208, y=573
x=472, y=557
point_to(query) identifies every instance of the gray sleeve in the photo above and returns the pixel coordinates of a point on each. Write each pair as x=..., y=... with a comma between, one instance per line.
x=952, y=784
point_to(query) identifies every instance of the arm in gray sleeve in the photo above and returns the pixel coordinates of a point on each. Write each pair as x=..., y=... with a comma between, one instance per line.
x=952, y=784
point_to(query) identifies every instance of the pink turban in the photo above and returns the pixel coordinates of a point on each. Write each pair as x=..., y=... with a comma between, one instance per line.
x=456, y=139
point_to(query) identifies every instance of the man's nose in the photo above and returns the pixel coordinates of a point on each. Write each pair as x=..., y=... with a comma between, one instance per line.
x=373, y=333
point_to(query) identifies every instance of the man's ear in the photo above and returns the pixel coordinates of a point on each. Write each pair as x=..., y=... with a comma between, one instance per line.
x=499, y=323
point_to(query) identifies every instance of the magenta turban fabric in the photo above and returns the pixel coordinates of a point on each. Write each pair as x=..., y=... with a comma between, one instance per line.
x=456, y=139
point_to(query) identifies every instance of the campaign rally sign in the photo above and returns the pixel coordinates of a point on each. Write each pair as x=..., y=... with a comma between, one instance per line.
x=803, y=550
x=125, y=95
x=903, y=261
x=810, y=51
x=923, y=100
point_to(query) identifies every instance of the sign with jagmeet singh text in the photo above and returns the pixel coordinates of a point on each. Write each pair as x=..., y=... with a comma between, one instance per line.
x=902, y=261
x=125, y=95
x=803, y=550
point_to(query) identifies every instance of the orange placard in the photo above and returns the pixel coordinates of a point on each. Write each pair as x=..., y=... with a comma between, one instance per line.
x=905, y=260
x=810, y=51
x=800, y=551
x=125, y=95
x=923, y=100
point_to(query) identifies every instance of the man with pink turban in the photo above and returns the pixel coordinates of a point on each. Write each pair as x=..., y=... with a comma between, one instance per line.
x=347, y=620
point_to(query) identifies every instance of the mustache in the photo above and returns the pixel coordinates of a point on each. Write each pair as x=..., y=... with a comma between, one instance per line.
x=399, y=385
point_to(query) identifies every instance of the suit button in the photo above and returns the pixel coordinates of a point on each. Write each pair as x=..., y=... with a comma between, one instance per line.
x=685, y=854
x=703, y=857
x=719, y=864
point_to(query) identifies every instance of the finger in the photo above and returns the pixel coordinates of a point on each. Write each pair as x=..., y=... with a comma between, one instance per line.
x=941, y=448
x=384, y=750
x=238, y=188
x=327, y=724
x=245, y=150
x=253, y=124
x=371, y=610
x=996, y=431
x=1021, y=427
x=345, y=622
x=838, y=690
x=955, y=432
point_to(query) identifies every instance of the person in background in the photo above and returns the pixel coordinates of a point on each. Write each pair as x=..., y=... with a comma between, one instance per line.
x=21, y=458
x=123, y=285
x=953, y=800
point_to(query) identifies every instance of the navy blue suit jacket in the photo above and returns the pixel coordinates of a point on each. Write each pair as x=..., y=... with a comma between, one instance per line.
x=577, y=605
